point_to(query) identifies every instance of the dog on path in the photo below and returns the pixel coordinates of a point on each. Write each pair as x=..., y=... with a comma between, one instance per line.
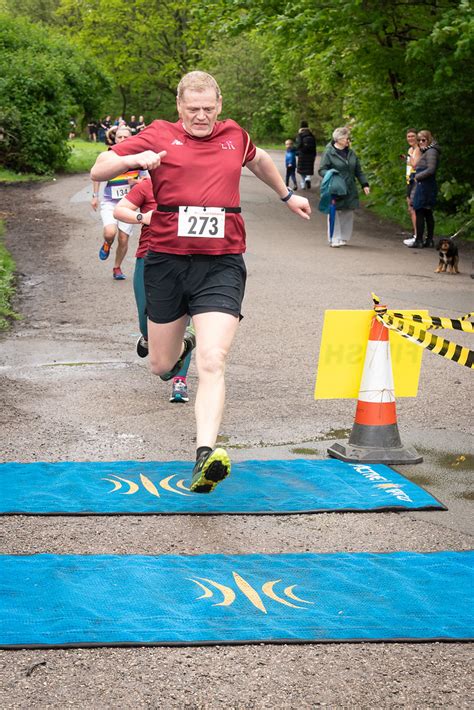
x=448, y=256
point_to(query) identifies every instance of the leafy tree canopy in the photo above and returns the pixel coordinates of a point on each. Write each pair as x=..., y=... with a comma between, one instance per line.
x=379, y=67
x=145, y=45
x=44, y=81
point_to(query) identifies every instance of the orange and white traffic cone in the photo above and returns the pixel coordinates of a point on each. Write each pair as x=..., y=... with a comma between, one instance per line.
x=375, y=437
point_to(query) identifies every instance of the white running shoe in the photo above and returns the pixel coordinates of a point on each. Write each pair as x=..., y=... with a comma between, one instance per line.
x=409, y=242
x=180, y=390
x=142, y=346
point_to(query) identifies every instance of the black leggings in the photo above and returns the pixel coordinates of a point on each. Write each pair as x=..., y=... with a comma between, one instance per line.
x=421, y=216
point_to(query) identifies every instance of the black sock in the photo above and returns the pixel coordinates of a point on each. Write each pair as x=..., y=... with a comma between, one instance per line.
x=202, y=450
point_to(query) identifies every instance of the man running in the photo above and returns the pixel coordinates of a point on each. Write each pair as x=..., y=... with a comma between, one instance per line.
x=194, y=266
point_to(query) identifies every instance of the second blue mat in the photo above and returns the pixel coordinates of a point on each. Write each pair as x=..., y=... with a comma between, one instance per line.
x=254, y=487
x=75, y=600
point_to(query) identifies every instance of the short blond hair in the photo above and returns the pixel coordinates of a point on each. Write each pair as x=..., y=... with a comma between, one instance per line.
x=198, y=81
x=123, y=128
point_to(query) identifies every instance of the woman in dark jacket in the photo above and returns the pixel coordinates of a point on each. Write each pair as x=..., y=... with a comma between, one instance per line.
x=339, y=156
x=305, y=146
x=426, y=189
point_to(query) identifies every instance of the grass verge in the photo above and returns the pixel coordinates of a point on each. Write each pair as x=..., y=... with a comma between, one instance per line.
x=7, y=283
x=81, y=160
x=445, y=225
x=11, y=176
x=83, y=155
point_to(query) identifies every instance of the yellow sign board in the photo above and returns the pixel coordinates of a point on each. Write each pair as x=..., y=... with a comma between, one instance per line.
x=342, y=355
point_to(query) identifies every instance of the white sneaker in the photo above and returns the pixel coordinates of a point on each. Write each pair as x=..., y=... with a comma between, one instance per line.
x=342, y=243
x=142, y=346
x=335, y=244
x=409, y=242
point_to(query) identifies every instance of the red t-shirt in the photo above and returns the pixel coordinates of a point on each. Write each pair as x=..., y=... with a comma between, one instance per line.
x=141, y=195
x=202, y=172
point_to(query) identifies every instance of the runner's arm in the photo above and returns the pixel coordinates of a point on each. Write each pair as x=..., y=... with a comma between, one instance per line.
x=95, y=194
x=126, y=211
x=265, y=169
x=108, y=164
x=415, y=155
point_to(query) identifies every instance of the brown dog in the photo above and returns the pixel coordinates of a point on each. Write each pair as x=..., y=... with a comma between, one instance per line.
x=448, y=257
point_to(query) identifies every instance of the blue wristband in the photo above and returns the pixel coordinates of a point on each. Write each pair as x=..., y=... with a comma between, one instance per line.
x=290, y=194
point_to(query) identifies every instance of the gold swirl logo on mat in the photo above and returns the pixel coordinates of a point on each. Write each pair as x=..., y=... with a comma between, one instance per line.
x=125, y=486
x=229, y=595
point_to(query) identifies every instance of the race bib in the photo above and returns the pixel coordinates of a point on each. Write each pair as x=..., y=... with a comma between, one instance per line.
x=119, y=191
x=206, y=222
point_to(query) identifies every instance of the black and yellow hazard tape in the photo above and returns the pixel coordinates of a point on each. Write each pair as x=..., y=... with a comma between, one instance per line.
x=439, y=346
x=414, y=327
x=462, y=323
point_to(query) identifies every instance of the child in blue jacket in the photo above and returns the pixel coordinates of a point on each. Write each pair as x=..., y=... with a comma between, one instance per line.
x=290, y=163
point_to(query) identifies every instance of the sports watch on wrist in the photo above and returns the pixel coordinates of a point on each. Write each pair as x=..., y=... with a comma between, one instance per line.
x=139, y=217
x=290, y=194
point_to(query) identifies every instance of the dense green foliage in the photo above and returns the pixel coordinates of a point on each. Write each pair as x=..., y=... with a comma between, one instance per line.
x=379, y=67
x=145, y=45
x=44, y=81
x=261, y=111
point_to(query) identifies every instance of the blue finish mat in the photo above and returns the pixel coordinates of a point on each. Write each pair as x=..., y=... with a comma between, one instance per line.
x=258, y=487
x=73, y=600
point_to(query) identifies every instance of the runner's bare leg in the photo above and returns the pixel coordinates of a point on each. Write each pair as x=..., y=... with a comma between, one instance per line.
x=122, y=247
x=214, y=335
x=109, y=233
x=165, y=343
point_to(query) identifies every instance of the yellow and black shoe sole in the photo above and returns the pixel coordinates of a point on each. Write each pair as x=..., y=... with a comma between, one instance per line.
x=214, y=469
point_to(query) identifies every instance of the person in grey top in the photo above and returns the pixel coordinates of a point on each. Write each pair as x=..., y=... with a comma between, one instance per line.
x=423, y=197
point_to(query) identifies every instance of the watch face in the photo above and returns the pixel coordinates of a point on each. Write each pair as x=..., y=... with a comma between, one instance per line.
x=139, y=217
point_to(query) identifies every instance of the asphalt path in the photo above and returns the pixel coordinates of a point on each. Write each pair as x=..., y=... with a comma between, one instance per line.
x=74, y=389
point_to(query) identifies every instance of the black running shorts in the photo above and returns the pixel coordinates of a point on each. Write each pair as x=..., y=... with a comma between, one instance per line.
x=176, y=285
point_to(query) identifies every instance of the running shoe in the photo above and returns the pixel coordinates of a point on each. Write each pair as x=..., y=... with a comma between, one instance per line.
x=179, y=392
x=118, y=273
x=410, y=241
x=307, y=184
x=142, y=346
x=189, y=345
x=104, y=251
x=209, y=470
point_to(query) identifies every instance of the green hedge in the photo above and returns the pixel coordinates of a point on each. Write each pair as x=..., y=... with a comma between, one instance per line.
x=44, y=81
